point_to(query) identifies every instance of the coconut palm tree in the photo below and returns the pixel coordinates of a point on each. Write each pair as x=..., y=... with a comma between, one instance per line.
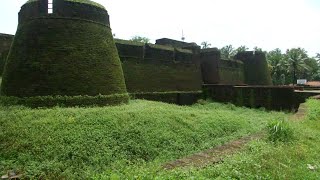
x=295, y=61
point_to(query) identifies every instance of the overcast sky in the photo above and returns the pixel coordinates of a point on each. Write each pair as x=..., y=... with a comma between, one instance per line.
x=268, y=24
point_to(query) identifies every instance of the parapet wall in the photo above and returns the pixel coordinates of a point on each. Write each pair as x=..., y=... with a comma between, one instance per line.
x=269, y=97
x=178, y=44
x=255, y=65
x=219, y=71
x=158, y=68
x=70, y=52
x=5, y=43
x=63, y=9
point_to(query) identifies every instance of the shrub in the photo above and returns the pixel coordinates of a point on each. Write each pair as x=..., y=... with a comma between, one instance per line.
x=280, y=131
x=313, y=109
x=65, y=101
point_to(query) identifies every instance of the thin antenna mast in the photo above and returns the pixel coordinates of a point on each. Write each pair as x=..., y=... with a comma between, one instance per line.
x=182, y=38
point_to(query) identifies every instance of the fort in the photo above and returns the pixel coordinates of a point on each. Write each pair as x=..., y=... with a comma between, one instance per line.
x=5, y=43
x=67, y=52
x=64, y=49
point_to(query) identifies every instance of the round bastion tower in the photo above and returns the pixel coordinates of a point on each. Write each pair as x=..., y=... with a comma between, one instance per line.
x=64, y=48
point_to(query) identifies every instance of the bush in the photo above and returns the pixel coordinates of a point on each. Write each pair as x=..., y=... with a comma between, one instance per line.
x=313, y=109
x=68, y=101
x=280, y=131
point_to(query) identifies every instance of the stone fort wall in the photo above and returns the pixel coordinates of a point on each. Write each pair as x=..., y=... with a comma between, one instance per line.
x=158, y=68
x=69, y=52
x=5, y=43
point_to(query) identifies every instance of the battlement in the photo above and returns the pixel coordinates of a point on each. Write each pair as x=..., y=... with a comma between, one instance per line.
x=68, y=9
x=154, y=52
x=5, y=42
x=63, y=48
x=255, y=67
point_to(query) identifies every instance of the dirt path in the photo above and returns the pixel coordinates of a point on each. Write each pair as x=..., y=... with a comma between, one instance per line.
x=212, y=156
x=216, y=154
x=300, y=114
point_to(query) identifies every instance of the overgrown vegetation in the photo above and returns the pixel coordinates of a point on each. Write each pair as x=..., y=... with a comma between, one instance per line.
x=80, y=61
x=123, y=141
x=280, y=131
x=262, y=159
x=285, y=67
x=65, y=101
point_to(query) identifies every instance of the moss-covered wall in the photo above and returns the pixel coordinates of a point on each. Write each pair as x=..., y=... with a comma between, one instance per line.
x=159, y=52
x=174, y=43
x=219, y=71
x=179, y=44
x=185, y=55
x=53, y=55
x=130, y=49
x=70, y=58
x=180, y=98
x=154, y=76
x=3, y=59
x=5, y=43
x=77, y=9
x=255, y=68
x=209, y=66
x=231, y=72
x=157, y=68
x=269, y=97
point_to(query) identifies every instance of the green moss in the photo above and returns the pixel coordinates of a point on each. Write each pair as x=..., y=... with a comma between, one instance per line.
x=70, y=58
x=127, y=42
x=30, y=1
x=255, y=68
x=147, y=76
x=187, y=51
x=174, y=97
x=156, y=46
x=3, y=58
x=88, y=2
x=65, y=101
x=78, y=1
x=231, y=72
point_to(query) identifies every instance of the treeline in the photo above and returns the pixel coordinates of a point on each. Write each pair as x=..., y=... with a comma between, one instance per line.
x=285, y=67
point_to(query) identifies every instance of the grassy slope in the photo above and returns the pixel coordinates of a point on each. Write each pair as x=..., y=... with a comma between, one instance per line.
x=264, y=160
x=127, y=140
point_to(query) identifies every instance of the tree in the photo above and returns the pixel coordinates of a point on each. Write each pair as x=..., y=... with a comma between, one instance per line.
x=227, y=52
x=257, y=49
x=275, y=59
x=205, y=45
x=313, y=70
x=140, y=39
x=318, y=57
x=295, y=60
x=241, y=49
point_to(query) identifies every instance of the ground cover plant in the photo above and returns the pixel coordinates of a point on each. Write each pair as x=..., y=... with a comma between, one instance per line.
x=265, y=159
x=131, y=141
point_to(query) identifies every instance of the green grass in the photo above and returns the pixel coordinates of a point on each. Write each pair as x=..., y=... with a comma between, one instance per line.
x=262, y=159
x=120, y=141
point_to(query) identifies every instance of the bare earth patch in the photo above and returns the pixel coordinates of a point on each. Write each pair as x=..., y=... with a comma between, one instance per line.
x=212, y=156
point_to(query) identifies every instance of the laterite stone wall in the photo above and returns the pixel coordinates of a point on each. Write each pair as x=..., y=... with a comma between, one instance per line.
x=68, y=53
x=269, y=97
x=256, y=71
x=218, y=71
x=5, y=43
x=158, y=68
